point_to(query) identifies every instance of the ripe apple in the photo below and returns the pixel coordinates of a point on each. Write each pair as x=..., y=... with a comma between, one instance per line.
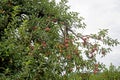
x=95, y=71
x=66, y=45
x=47, y=29
x=66, y=40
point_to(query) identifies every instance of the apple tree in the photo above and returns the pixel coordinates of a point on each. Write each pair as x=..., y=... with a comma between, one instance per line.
x=38, y=40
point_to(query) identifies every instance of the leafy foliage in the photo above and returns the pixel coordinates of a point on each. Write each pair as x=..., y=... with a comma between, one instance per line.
x=111, y=73
x=37, y=41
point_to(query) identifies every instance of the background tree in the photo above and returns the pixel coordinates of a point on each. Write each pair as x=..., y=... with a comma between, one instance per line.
x=38, y=41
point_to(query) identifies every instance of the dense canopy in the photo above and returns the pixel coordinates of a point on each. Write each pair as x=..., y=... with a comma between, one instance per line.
x=39, y=41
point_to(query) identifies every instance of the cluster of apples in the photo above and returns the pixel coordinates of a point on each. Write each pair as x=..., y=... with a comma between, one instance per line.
x=96, y=69
x=47, y=29
x=94, y=48
x=85, y=39
x=65, y=46
x=66, y=42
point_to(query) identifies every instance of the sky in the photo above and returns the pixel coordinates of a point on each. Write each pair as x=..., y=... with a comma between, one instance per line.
x=101, y=14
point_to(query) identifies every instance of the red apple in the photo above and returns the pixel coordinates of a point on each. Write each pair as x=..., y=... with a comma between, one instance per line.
x=95, y=71
x=66, y=40
x=47, y=29
x=66, y=45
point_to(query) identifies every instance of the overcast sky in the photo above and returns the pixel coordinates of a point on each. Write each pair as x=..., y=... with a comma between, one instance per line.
x=101, y=14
